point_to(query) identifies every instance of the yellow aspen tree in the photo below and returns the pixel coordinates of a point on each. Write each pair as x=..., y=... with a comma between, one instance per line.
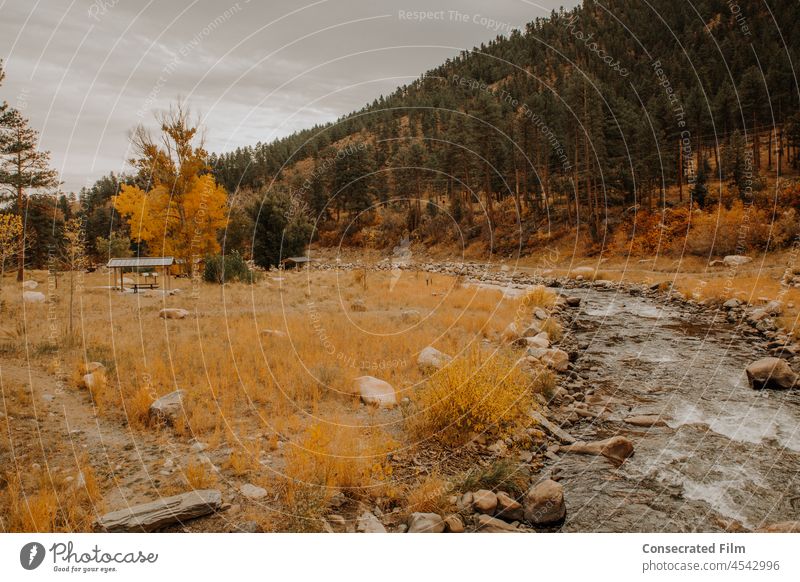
x=184, y=208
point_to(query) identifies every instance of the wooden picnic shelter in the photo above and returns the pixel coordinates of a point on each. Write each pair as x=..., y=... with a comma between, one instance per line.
x=137, y=263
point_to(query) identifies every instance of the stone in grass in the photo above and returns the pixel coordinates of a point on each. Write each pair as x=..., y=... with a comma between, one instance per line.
x=173, y=313
x=167, y=408
x=368, y=523
x=253, y=491
x=375, y=391
x=432, y=359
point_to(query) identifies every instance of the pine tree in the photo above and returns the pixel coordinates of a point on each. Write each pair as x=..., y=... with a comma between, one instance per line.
x=22, y=166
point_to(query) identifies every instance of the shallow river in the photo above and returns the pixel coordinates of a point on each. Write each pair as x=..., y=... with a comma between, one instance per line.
x=729, y=454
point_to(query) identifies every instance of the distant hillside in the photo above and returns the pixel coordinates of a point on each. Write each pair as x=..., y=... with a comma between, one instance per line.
x=572, y=123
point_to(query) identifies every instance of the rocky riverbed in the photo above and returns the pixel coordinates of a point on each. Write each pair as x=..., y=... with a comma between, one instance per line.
x=663, y=377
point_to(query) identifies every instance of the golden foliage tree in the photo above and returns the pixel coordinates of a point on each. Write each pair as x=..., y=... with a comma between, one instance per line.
x=184, y=208
x=10, y=235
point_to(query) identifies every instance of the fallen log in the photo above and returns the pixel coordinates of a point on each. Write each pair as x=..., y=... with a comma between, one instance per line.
x=155, y=515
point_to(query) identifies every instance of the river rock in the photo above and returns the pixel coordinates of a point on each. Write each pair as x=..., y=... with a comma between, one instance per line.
x=732, y=303
x=774, y=307
x=155, y=515
x=508, y=509
x=484, y=501
x=488, y=524
x=544, y=503
x=375, y=391
x=617, y=448
x=173, y=313
x=554, y=358
x=736, y=260
x=432, y=359
x=425, y=523
x=368, y=523
x=573, y=301
x=645, y=420
x=454, y=524
x=168, y=407
x=781, y=527
x=33, y=297
x=770, y=373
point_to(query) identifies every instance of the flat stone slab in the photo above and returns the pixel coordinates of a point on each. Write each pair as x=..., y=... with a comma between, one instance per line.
x=155, y=515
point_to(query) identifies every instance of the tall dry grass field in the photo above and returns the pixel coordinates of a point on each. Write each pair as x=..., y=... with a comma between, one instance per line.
x=267, y=372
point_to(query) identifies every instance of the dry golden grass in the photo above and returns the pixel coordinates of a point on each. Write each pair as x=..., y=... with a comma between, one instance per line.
x=474, y=394
x=538, y=296
x=45, y=502
x=199, y=475
x=430, y=495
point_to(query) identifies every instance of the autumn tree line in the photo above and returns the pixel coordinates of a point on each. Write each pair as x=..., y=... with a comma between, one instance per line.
x=592, y=120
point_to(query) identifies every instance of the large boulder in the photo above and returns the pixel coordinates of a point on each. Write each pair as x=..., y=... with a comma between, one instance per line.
x=770, y=373
x=425, y=523
x=432, y=359
x=544, y=503
x=167, y=408
x=375, y=391
x=616, y=448
x=736, y=260
x=172, y=313
x=33, y=297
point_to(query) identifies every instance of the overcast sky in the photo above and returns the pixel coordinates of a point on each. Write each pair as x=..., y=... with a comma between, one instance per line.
x=85, y=72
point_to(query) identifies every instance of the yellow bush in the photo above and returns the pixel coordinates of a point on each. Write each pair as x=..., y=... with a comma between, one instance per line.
x=472, y=395
x=199, y=475
x=538, y=296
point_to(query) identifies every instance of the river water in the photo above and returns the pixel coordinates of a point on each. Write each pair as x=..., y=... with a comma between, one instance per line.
x=729, y=457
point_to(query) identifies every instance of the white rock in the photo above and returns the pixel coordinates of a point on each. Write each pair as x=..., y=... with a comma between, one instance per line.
x=253, y=491
x=167, y=407
x=375, y=391
x=736, y=260
x=425, y=523
x=172, y=313
x=368, y=523
x=431, y=358
x=30, y=284
x=33, y=296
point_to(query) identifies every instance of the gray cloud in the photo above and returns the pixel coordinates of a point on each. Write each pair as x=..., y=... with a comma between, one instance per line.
x=86, y=72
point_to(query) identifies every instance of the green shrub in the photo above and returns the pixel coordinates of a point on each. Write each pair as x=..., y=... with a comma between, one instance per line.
x=227, y=269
